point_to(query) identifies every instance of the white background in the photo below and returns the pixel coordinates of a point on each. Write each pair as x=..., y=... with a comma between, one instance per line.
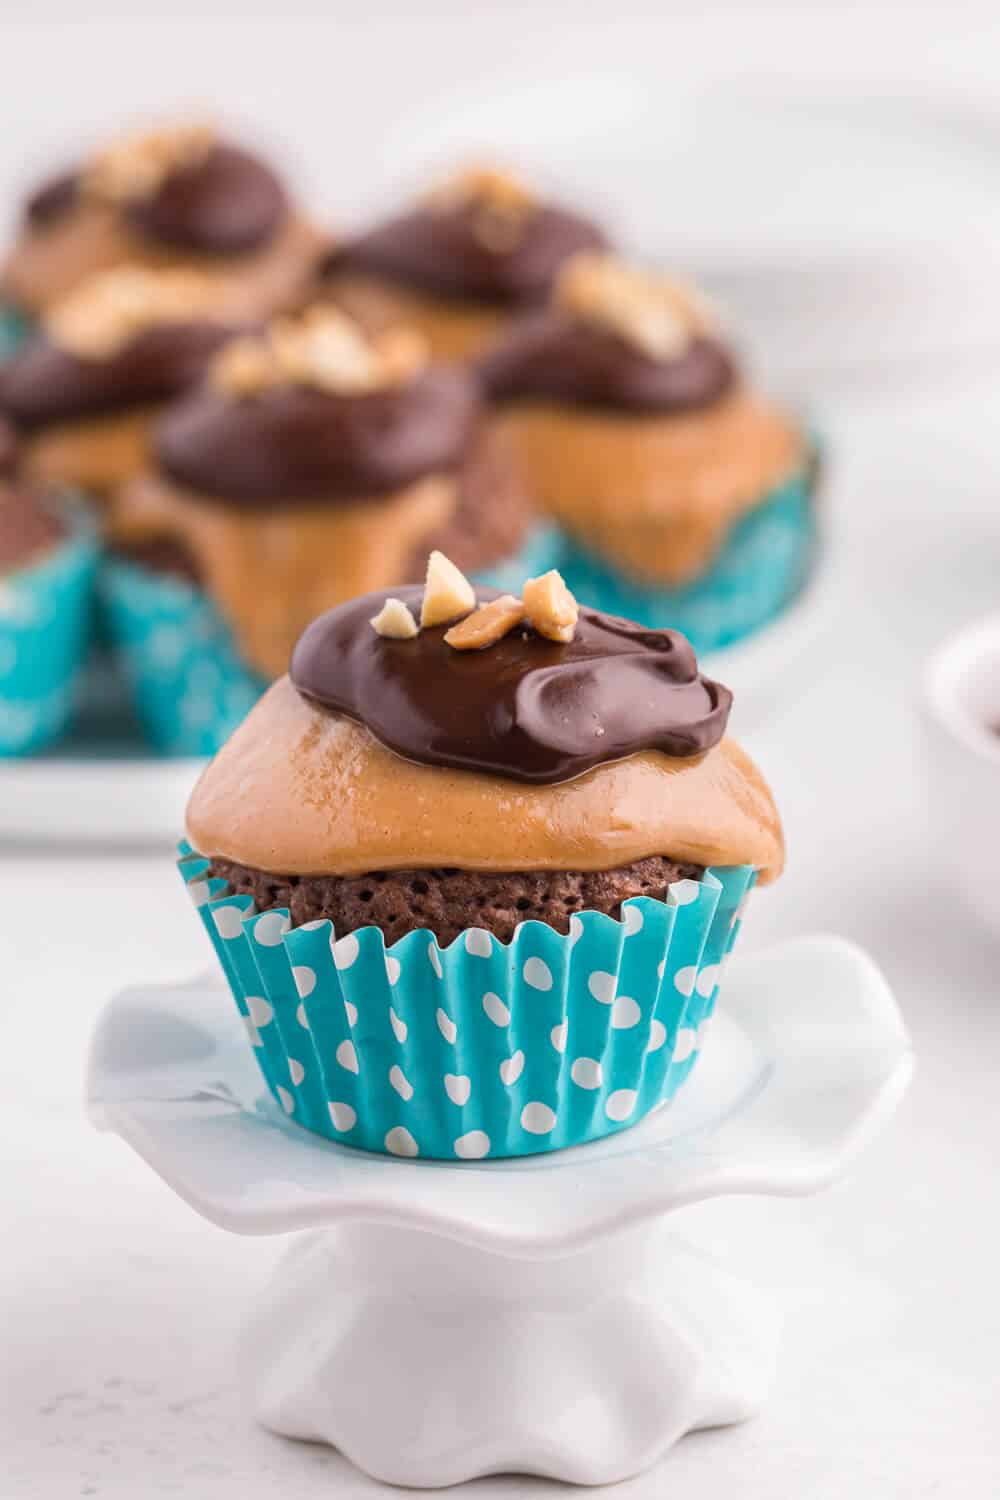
x=119, y=1306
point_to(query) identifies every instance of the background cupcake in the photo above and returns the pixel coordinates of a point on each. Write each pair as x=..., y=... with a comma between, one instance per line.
x=84, y=389
x=314, y=463
x=684, y=495
x=460, y=263
x=472, y=884
x=179, y=197
x=47, y=563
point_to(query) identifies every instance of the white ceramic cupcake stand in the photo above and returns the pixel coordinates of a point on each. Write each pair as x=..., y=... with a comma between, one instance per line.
x=545, y=1316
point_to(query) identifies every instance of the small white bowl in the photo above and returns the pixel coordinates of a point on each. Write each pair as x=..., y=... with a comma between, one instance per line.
x=961, y=697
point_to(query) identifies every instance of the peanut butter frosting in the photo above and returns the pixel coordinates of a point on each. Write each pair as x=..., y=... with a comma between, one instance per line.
x=656, y=495
x=300, y=789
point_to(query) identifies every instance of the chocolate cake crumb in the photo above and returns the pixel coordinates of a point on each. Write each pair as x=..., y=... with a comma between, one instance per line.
x=28, y=528
x=447, y=901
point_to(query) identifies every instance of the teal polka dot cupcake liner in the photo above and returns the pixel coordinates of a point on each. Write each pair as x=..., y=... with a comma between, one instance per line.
x=13, y=329
x=189, y=685
x=481, y=1049
x=761, y=569
x=46, y=626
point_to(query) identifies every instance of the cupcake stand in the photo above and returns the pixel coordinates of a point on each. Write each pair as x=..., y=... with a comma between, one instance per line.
x=436, y=1322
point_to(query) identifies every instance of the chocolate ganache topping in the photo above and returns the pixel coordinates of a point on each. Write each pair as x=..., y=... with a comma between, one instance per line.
x=229, y=202
x=468, y=244
x=526, y=708
x=553, y=356
x=8, y=448
x=296, y=442
x=43, y=382
x=226, y=202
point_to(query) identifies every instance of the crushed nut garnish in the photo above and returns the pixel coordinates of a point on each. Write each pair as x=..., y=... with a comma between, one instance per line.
x=448, y=594
x=550, y=607
x=395, y=622
x=487, y=625
x=657, y=315
x=322, y=348
x=136, y=165
x=110, y=308
x=499, y=202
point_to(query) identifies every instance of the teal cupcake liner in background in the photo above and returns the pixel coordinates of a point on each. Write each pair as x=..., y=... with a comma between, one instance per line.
x=763, y=566
x=481, y=1049
x=541, y=551
x=46, y=623
x=13, y=328
x=190, y=687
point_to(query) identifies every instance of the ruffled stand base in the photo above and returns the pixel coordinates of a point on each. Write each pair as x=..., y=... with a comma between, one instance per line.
x=585, y=1367
x=439, y=1321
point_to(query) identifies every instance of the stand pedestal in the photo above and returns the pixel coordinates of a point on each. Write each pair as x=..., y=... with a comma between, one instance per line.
x=541, y=1316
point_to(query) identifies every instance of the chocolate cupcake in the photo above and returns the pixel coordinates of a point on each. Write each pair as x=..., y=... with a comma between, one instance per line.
x=461, y=263
x=181, y=197
x=313, y=464
x=84, y=390
x=471, y=875
x=684, y=495
x=47, y=563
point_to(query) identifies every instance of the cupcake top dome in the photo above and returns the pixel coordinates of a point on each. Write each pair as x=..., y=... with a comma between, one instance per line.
x=482, y=234
x=123, y=337
x=183, y=186
x=613, y=335
x=519, y=734
x=315, y=408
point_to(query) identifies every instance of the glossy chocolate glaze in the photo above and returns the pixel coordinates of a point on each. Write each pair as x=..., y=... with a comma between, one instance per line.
x=438, y=250
x=525, y=708
x=553, y=356
x=295, y=443
x=43, y=383
x=228, y=202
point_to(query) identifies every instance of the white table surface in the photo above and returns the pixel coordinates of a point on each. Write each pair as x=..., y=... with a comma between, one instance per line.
x=119, y=1307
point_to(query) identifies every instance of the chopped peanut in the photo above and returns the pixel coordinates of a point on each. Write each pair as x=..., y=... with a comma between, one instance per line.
x=550, y=607
x=395, y=622
x=489, y=624
x=243, y=367
x=448, y=594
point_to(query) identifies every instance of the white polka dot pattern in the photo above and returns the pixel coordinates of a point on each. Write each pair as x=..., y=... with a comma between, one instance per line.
x=497, y=1011
x=538, y=974
x=538, y=1118
x=458, y=1087
x=446, y=1025
x=270, y=929
x=305, y=979
x=399, y=1142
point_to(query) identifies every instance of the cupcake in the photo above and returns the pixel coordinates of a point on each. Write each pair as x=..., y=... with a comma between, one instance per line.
x=314, y=463
x=84, y=389
x=685, y=497
x=181, y=197
x=461, y=263
x=47, y=563
x=471, y=873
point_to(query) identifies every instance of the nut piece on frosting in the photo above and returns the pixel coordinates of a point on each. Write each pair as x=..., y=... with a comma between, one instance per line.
x=655, y=314
x=550, y=607
x=109, y=309
x=136, y=165
x=448, y=594
x=487, y=625
x=499, y=202
x=395, y=622
x=322, y=348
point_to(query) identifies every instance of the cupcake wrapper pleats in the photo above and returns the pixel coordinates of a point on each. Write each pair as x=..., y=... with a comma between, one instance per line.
x=190, y=687
x=481, y=1049
x=46, y=618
